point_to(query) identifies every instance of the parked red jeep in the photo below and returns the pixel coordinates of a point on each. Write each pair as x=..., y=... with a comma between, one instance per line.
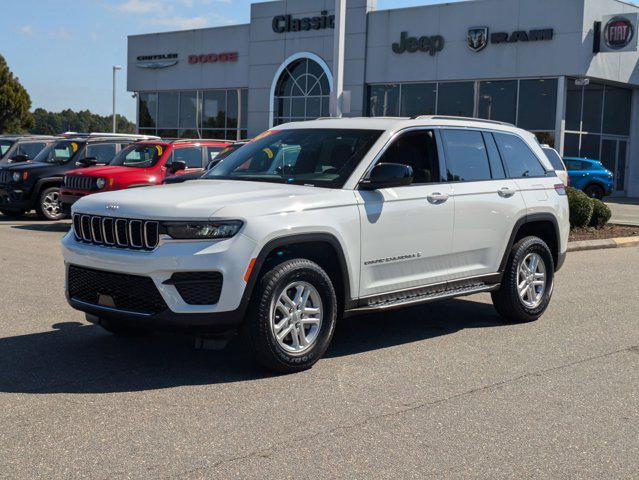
x=138, y=165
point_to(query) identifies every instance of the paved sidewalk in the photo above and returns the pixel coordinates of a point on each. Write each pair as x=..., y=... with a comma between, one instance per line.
x=625, y=211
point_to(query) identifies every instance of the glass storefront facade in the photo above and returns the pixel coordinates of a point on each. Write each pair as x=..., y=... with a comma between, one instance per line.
x=219, y=114
x=527, y=103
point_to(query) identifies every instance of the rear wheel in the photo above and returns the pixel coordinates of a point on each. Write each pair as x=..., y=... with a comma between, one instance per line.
x=12, y=213
x=49, y=206
x=527, y=283
x=292, y=317
x=594, y=191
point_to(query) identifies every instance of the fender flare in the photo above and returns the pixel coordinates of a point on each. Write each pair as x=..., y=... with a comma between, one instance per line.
x=43, y=183
x=531, y=218
x=296, y=239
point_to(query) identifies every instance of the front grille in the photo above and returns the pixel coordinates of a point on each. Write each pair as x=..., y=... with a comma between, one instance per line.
x=198, y=288
x=116, y=232
x=131, y=293
x=5, y=176
x=79, y=182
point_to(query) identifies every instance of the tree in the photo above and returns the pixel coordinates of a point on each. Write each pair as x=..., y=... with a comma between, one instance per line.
x=14, y=102
x=54, y=123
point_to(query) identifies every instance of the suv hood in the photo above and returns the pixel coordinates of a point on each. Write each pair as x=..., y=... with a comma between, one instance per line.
x=201, y=199
x=105, y=171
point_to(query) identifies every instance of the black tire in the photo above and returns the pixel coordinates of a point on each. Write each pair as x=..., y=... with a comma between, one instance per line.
x=12, y=213
x=506, y=300
x=257, y=328
x=45, y=207
x=121, y=329
x=594, y=191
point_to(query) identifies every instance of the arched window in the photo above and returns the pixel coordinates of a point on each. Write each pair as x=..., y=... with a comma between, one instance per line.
x=302, y=92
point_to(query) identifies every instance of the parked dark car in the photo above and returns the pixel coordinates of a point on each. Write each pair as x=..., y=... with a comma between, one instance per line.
x=23, y=148
x=212, y=162
x=36, y=184
x=590, y=176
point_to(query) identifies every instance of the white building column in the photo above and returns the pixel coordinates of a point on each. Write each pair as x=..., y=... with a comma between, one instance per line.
x=560, y=118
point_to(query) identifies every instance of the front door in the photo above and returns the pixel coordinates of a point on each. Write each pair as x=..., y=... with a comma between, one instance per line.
x=614, y=152
x=407, y=232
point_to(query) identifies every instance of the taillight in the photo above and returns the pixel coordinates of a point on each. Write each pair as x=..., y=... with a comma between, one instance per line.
x=567, y=180
x=560, y=188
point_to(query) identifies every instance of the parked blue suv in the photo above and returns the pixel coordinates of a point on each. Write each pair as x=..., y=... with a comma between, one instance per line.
x=590, y=176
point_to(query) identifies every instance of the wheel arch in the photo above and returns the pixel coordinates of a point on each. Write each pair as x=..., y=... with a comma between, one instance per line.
x=542, y=225
x=322, y=248
x=45, y=183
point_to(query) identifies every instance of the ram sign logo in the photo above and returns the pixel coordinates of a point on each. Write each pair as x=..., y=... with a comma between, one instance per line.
x=477, y=38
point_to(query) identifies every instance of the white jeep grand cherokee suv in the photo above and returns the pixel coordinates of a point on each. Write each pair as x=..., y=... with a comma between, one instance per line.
x=316, y=221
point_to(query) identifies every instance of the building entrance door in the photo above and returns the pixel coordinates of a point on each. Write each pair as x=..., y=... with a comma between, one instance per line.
x=614, y=152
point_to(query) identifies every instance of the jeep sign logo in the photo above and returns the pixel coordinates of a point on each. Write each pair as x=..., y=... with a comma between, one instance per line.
x=618, y=33
x=430, y=44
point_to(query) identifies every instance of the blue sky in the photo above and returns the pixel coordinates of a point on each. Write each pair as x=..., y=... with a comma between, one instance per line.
x=63, y=50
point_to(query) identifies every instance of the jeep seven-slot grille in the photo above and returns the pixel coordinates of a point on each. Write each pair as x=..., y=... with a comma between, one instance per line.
x=5, y=177
x=116, y=232
x=131, y=293
x=79, y=182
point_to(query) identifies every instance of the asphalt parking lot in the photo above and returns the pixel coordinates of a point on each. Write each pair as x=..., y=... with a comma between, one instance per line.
x=443, y=391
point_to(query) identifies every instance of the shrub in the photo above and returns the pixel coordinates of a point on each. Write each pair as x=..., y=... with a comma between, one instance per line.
x=581, y=207
x=600, y=214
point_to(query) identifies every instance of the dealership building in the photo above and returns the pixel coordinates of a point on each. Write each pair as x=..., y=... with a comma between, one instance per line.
x=567, y=70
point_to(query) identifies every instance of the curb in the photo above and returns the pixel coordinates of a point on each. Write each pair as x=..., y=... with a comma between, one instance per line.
x=584, y=245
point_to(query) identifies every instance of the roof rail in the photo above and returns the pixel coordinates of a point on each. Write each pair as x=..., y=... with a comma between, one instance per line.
x=110, y=135
x=184, y=140
x=463, y=119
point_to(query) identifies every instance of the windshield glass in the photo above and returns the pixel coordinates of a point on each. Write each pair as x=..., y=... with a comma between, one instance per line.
x=139, y=156
x=554, y=158
x=318, y=157
x=61, y=151
x=5, y=145
x=222, y=155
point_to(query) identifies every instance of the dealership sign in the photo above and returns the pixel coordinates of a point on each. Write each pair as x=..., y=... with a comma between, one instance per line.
x=478, y=38
x=213, y=58
x=431, y=44
x=619, y=33
x=157, y=61
x=287, y=23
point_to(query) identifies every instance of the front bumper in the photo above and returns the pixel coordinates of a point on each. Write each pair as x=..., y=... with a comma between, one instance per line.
x=67, y=200
x=229, y=257
x=14, y=198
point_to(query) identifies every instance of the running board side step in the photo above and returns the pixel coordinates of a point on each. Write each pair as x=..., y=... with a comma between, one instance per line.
x=419, y=296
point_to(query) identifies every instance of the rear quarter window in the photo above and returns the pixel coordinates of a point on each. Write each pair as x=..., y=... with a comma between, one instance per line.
x=554, y=158
x=519, y=159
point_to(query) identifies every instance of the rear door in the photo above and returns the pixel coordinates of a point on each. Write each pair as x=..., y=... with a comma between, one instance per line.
x=407, y=232
x=487, y=204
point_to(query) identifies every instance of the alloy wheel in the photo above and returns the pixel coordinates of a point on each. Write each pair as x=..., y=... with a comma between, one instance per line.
x=531, y=280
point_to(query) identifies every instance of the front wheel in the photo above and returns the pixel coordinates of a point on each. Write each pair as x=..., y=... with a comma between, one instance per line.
x=292, y=317
x=594, y=191
x=527, y=283
x=49, y=206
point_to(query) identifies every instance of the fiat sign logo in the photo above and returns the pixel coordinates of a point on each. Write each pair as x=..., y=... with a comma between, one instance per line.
x=618, y=33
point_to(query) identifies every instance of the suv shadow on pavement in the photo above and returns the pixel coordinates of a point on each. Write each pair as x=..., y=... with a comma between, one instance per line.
x=79, y=358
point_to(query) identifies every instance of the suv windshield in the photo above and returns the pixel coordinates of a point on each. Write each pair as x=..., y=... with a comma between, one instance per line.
x=318, y=157
x=138, y=156
x=60, y=152
x=5, y=145
x=554, y=158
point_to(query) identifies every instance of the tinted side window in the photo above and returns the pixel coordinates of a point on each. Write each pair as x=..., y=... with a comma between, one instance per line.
x=30, y=149
x=213, y=152
x=466, y=156
x=572, y=165
x=555, y=159
x=520, y=161
x=192, y=156
x=103, y=152
x=418, y=150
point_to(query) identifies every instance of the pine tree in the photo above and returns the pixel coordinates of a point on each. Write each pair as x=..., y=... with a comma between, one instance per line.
x=14, y=102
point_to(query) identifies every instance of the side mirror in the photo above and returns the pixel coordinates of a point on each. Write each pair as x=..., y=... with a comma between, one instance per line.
x=20, y=158
x=176, y=166
x=388, y=175
x=87, y=162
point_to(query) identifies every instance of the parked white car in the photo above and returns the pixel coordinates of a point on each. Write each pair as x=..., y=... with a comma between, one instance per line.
x=364, y=215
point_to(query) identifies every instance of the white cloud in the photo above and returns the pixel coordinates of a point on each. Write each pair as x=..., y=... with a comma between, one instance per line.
x=181, y=23
x=141, y=6
x=27, y=30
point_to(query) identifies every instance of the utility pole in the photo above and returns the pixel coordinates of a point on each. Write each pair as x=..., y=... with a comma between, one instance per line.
x=338, y=59
x=115, y=69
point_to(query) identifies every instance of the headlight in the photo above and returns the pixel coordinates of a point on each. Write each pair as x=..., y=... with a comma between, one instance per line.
x=17, y=176
x=202, y=230
x=100, y=183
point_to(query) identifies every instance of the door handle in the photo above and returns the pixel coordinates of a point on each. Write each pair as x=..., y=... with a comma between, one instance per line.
x=437, y=197
x=506, y=192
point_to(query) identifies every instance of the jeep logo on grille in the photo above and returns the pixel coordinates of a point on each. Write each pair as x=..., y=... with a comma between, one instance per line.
x=112, y=207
